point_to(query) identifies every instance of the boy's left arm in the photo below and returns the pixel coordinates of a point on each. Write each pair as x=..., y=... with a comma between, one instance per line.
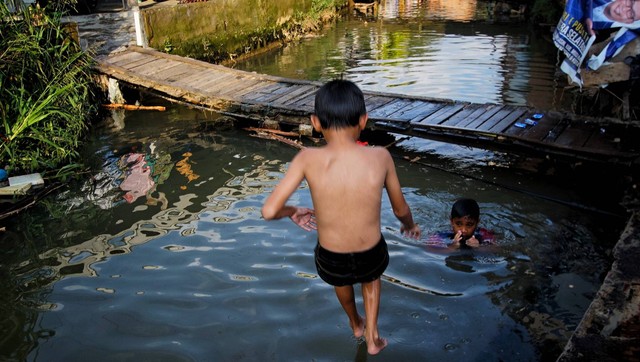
x=400, y=207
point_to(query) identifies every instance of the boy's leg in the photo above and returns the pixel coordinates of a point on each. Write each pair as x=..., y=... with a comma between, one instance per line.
x=348, y=301
x=371, y=297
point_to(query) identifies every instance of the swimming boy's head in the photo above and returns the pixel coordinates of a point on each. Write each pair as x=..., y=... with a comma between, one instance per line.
x=339, y=104
x=465, y=215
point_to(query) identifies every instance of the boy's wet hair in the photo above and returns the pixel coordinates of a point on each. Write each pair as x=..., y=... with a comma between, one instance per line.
x=339, y=104
x=465, y=207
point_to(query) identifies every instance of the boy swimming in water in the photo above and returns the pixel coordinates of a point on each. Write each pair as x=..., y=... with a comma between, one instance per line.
x=465, y=217
x=346, y=182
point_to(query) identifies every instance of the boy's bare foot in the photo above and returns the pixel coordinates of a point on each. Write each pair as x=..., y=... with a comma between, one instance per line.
x=358, y=330
x=376, y=346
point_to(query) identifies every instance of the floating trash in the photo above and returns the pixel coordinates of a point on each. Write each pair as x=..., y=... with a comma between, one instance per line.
x=538, y=116
x=520, y=125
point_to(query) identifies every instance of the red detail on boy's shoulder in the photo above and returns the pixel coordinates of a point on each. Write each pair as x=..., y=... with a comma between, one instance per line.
x=362, y=143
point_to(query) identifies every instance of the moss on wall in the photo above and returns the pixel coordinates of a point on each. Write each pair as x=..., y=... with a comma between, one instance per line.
x=217, y=30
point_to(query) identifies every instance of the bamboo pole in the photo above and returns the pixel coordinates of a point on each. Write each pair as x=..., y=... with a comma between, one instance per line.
x=133, y=107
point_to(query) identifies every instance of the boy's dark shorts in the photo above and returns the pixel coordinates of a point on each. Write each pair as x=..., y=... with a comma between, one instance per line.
x=340, y=269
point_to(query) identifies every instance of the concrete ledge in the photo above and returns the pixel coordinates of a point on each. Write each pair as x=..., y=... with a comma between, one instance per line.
x=610, y=329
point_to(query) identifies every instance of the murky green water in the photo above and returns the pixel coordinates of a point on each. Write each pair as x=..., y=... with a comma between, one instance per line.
x=191, y=272
x=161, y=254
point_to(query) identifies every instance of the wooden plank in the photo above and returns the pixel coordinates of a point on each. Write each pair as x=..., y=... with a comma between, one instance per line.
x=420, y=109
x=517, y=115
x=376, y=102
x=188, y=77
x=442, y=114
x=389, y=108
x=275, y=93
x=503, y=119
x=295, y=92
x=400, y=126
x=138, y=62
x=575, y=135
x=219, y=84
x=177, y=74
x=263, y=92
x=256, y=88
x=212, y=84
x=604, y=141
x=470, y=111
x=426, y=112
x=155, y=68
x=184, y=75
x=124, y=58
x=238, y=86
x=172, y=71
x=535, y=133
x=216, y=86
x=480, y=118
x=553, y=134
x=307, y=102
x=310, y=92
x=402, y=113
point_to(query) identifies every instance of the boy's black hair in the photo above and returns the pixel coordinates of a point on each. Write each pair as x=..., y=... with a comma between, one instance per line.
x=339, y=104
x=465, y=207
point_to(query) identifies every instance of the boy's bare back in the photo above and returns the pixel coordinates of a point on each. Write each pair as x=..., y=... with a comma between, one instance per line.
x=346, y=182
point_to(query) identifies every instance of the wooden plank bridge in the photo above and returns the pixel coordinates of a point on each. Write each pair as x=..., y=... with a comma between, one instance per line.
x=288, y=101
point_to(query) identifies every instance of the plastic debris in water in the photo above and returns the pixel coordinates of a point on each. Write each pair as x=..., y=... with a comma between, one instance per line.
x=520, y=125
x=538, y=116
x=530, y=122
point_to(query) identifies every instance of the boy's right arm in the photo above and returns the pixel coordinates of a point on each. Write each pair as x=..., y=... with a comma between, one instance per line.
x=276, y=208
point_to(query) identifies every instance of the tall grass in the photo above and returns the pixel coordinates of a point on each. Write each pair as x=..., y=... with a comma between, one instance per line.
x=46, y=91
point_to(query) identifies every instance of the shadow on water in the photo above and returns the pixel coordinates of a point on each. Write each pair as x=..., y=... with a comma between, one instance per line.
x=161, y=254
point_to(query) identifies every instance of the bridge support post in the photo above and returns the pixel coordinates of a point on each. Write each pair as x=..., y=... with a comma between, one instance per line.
x=140, y=37
x=305, y=130
x=114, y=92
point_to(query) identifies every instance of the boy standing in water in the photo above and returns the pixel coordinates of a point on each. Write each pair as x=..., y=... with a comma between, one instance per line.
x=346, y=182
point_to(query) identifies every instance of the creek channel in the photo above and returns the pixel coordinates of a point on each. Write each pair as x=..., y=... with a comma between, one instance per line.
x=161, y=253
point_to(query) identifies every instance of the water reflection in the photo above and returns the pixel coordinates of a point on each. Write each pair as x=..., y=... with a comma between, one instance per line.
x=206, y=276
x=78, y=259
x=458, y=10
x=437, y=49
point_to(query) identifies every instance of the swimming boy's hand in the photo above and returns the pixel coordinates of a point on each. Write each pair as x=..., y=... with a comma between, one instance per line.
x=305, y=218
x=412, y=232
x=457, y=238
x=473, y=242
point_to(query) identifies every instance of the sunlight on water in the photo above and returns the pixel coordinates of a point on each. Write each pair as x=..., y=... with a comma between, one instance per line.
x=449, y=9
x=446, y=50
x=202, y=275
x=162, y=254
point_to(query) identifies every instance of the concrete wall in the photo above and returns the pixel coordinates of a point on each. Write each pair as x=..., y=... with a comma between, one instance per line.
x=219, y=29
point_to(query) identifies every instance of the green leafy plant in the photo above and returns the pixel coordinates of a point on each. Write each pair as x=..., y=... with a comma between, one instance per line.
x=46, y=91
